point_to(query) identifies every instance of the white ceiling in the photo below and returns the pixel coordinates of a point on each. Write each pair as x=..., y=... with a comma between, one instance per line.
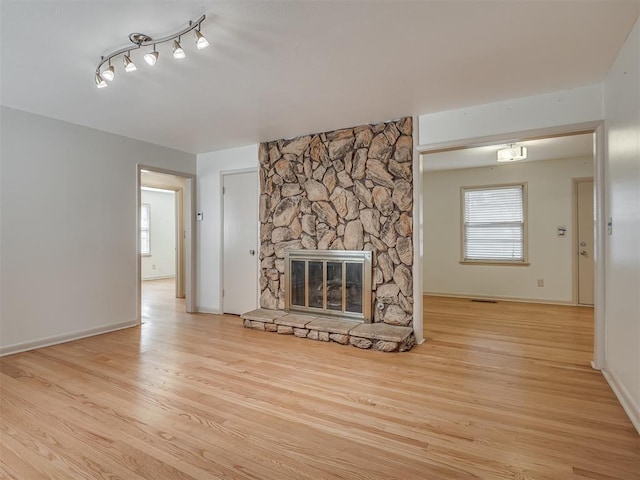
x=555, y=148
x=281, y=69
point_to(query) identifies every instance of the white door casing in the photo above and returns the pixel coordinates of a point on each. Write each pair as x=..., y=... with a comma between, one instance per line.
x=240, y=242
x=585, y=214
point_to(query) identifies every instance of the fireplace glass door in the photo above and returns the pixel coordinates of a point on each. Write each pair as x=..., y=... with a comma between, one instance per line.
x=353, y=300
x=335, y=284
x=298, y=283
x=315, y=284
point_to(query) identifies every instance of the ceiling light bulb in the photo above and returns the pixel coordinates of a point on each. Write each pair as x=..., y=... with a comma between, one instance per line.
x=100, y=83
x=201, y=41
x=151, y=58
x=129, y=66
x=178, y=52
x=109, y=73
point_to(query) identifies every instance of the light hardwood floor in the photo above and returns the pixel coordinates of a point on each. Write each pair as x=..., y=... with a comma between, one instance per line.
x=498, y=391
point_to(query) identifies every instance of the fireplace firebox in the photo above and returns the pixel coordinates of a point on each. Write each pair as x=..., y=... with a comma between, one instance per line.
x=331, y=282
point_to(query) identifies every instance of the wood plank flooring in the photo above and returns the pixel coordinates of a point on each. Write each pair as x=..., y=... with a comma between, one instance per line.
x=498, y=391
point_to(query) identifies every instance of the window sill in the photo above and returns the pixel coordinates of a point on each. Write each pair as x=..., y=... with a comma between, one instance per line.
x=145, y=254
x=495, y=263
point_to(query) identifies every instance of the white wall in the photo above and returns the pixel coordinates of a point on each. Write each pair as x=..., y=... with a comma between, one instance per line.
x=68, y=213
x=210, y=165
x=539, y=112
x=550, y=205
x=161, y=263
x=622, y=121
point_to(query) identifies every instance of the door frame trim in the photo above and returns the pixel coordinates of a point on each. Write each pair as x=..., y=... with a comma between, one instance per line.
x=597, y=129
x=190, y=251
x=223, y=174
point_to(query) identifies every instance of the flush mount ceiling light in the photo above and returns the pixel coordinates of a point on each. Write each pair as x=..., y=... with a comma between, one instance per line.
x=141, y=40
x=513, y=153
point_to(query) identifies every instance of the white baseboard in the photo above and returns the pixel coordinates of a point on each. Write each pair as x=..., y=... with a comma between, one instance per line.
x=624, y=397
x=498, y=297
x=159, y=277
x=208, y=310
x=65, y=337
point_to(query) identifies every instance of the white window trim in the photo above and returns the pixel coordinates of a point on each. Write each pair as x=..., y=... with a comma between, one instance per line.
x=525, y=226
x=148, y=207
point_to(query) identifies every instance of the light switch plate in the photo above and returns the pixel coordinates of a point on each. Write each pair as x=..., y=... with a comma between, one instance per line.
x=199, y=216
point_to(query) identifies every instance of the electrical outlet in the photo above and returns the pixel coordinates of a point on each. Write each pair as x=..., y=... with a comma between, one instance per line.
x=153, y=267
x=540, y=282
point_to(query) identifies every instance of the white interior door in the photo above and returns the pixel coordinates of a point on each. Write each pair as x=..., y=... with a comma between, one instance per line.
x=585, y=242
x=240, y=247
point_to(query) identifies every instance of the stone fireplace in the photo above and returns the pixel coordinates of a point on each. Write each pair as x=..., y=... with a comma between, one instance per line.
x=328, y=282
x=346, y=190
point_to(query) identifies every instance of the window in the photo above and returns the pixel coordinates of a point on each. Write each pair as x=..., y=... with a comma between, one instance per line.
x=145, y=215
x=494, y=227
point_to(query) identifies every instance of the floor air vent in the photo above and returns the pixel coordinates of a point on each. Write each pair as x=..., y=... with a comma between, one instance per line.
x=482, y=300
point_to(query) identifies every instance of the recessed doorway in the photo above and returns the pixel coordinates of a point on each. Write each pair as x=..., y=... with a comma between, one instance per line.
x=165, y=238
x=546, y=231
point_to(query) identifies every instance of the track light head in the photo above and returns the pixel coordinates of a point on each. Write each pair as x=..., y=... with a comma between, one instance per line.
x=152, y=57
x=100, y=83
x=109, y=73
x=201, y=41
x=178, y=52
x=129, y=66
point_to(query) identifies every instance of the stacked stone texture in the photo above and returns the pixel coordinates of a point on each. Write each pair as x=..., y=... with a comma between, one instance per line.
x=349, y=189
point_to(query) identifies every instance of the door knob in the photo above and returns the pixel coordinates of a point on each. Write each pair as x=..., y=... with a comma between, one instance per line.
x=583, y=244
x=583, y=253
x=252, y=252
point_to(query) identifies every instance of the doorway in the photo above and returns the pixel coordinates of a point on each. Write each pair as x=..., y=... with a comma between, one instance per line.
x=159, y=219
x=240, y=241
x=585, y=267
x=547, y=274
x=165, y=236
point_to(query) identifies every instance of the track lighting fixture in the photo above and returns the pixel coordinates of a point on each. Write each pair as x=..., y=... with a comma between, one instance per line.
x=140, y=40
x=151, y=58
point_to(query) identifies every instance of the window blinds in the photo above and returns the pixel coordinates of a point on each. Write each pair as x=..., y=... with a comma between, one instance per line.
x=494, y=224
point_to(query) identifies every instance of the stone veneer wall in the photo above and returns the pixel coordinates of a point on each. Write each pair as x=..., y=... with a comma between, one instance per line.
x=350, y=189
